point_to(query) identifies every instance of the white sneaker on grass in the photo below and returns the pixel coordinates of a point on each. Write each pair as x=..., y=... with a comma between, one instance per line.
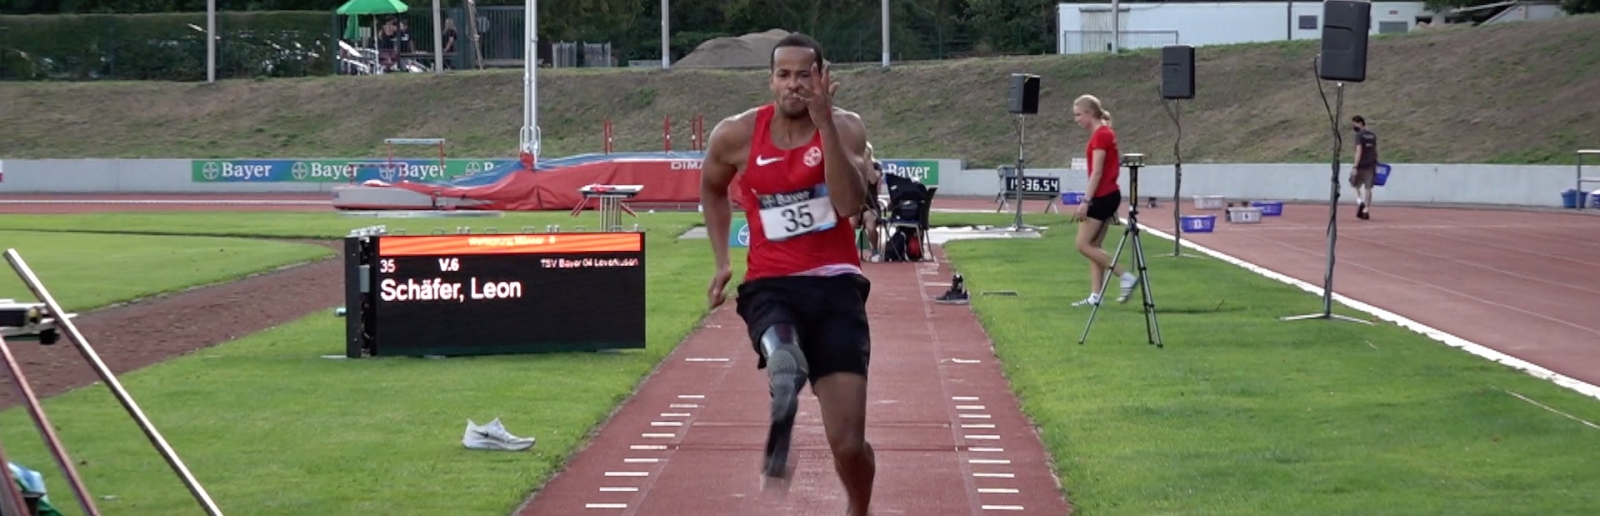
x=493, y=436
x=1128, y=282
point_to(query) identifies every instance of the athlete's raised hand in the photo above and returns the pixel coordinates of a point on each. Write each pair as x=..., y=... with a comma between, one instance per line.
x=819, y=95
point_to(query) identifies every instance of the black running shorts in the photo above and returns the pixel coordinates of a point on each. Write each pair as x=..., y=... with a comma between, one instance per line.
x=829, y=313
x=1104, y=207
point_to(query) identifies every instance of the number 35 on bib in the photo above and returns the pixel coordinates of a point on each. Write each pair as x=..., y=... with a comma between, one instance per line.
x=788, y=215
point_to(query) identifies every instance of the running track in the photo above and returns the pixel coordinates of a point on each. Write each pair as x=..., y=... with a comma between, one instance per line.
x=948, y=435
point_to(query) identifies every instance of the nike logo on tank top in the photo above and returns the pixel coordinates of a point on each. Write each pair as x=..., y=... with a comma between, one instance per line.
x=794, y=230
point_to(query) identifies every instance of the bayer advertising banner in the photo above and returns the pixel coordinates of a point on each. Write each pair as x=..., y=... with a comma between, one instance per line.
x=739, y=233
x=925, y=172
x=338, y=170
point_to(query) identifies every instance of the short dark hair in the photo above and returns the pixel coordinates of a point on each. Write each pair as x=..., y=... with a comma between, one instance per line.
x=1358, y=119
x=796, y=39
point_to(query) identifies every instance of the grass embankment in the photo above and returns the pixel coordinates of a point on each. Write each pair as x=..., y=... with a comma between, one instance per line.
x=1507, y=93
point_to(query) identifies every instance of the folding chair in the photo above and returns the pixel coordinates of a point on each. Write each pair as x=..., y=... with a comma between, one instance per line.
x=910, y=196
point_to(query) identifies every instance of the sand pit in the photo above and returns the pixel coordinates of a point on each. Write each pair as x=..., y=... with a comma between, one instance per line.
x=752, y=50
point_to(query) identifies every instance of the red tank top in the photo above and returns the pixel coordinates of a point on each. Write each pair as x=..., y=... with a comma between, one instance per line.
x=794, y=229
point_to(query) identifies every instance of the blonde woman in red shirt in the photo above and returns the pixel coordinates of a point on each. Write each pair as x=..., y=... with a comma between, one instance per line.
x=1104, y=197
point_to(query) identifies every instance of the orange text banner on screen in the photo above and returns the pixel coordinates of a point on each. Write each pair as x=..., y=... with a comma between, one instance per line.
x=541, y=243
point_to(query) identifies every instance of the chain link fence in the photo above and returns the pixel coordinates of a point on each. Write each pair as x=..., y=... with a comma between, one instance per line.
x=171, y=46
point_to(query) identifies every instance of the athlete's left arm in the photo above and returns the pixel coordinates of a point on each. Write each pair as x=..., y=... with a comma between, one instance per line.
x=844, y=148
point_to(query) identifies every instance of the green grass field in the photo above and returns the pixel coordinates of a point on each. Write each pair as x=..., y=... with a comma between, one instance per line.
x=85, y=271
x=1239, y=414
x=376, y=436
x=1242, y=414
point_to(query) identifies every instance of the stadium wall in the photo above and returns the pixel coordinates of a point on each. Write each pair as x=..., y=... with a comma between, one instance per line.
x=1510, y=185
x=1514, y=185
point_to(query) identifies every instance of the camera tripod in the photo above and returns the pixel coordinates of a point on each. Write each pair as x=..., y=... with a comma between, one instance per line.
x=1130, y=233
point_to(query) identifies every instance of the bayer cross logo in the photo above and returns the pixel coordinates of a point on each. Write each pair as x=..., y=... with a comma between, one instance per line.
x=387, y=171
x=744, y=235
x=474, y=167
x=300, y=170
x=211, y=170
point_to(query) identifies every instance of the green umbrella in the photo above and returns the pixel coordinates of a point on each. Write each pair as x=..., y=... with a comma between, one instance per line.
x=359, y=7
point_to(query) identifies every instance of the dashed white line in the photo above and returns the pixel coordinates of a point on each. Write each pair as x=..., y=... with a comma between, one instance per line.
x=981, y=449
x=648, y=435
x=627, y=473
x=974, y=416
x=684, y=405
x=977, y=425
x=997, y=490
x=994, y=475
x=605, y=506
x=964, y=361
x=651, y=460
x=964, y=398
x=674, y=414
x=691, y=396
x=619, y=489
x=969, y=407
x=666, y=423
x=648, y=446
x=983, y=437
x=1002, y=507
x=700, y=359
x=988, y=461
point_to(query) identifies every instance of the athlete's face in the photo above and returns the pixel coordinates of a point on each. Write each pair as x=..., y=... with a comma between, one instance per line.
x=1082, y=115
x=792, y=76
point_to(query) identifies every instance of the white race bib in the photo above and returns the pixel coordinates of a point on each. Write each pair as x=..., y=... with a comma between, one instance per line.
x=787, y=215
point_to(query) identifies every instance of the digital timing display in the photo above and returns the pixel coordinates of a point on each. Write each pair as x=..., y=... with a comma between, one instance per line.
x=489, y=293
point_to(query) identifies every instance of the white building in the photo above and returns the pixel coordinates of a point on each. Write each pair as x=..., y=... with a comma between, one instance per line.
x=1087, y=27
x=1509, y=11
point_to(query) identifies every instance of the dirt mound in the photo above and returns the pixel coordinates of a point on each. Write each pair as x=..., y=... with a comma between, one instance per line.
x=751, y=50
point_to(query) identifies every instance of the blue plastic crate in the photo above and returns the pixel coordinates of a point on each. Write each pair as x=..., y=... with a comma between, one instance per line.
x=1573, y=198
x=1269, y=208
x=1199, y=223
x=1382, y=177
x=1071, y=198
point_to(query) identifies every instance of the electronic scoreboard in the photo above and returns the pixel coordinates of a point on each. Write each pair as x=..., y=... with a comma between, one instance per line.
x=474, y=294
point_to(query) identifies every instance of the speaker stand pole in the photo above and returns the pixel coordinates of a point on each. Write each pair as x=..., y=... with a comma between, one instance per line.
x=1017, y=225
x=1177, y=180
x=1333, y=227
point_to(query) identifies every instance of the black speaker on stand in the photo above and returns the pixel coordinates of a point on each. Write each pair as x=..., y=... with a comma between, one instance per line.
x=1024, y=101
x=1345, y=24
x=1177, y=83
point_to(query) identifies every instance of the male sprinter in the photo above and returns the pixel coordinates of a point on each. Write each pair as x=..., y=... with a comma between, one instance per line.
x=803, y=297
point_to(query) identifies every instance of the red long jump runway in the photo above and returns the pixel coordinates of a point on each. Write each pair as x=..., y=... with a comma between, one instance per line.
x=947, y=431
x=1524, y=283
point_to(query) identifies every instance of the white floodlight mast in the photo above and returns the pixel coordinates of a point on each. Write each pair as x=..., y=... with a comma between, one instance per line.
x=530, y=83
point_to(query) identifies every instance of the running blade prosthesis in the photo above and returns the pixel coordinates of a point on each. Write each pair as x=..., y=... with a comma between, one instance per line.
x=786, y=369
